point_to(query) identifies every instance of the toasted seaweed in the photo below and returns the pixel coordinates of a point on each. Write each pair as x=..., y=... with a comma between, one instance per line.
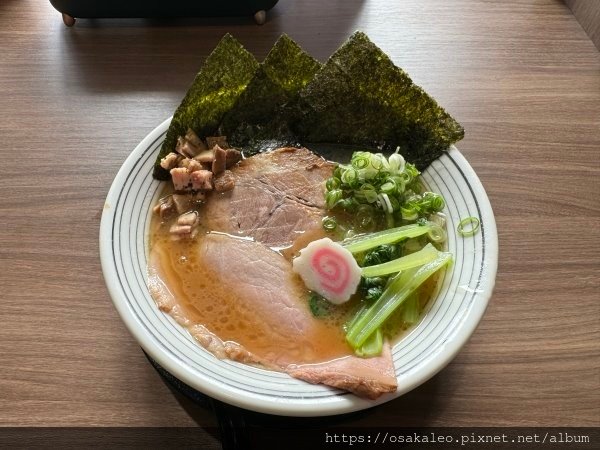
x=360, y=97
x=262, y=111
x=215, y=89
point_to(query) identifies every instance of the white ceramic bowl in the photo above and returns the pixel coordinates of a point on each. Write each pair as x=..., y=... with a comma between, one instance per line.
x=462, y=297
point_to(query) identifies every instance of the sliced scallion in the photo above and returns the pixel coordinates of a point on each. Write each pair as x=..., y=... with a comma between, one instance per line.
x=329, y=223
x=474, y=222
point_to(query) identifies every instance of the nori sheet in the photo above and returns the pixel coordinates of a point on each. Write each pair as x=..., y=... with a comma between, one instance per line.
x=262, y=112
x=215, y=89
x=360, y=97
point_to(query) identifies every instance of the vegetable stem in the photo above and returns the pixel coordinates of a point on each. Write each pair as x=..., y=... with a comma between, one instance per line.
x=400, y=288
x=372, y=346
x=410, y=313
x=366, y=241
x=423, y=256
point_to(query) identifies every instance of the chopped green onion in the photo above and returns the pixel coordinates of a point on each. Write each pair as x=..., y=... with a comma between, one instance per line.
x=409, y=213
x=333, y=197
x=399, y=289
x=436, y=201
x=349, y=176
x=423, y=256
x=397, y=163
x=473, y=221
x=364, y=242
x=405, y=177
x=390, y=183
x=332, y=183
x=438, y=218
x=384, y=201
x=360, y=160
x=329, y=223
x=349, y=204
x=367, y=192
x=377, y=161
x=389, y=187
x=436, y=234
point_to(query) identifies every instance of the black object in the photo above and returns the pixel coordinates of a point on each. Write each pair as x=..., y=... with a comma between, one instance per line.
x=71, y=9
x=243, y=429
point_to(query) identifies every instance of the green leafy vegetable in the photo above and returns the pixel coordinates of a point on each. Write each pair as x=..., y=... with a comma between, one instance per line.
x=372, y=288
x=373, y=294
x=319, y=306
x=216, y=88
x=263, y=110
x=360, y=97
x=398, y=290
x=380, y=255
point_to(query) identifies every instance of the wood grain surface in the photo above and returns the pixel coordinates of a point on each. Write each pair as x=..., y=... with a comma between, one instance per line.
x=520, y=75
x=587, y=12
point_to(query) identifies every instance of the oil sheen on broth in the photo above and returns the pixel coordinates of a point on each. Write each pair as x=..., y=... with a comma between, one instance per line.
x=205, y=299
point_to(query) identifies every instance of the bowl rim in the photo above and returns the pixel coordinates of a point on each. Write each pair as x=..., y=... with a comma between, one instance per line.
x=350, y=403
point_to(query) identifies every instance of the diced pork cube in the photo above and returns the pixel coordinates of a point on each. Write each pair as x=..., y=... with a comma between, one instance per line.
x=218, y=164
x=232, y=157
x=189, y=218
x=186, y=226
x=170, y=161
x=180, y=229
x=185, y=202
x=201, y=180
x=181, y=178
x=194, y=165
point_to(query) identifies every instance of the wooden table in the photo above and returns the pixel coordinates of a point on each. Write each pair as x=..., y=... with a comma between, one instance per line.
x=521, y=76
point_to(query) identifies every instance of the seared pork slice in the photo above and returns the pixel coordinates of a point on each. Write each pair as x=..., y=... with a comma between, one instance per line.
x=260, y=289
x=277, y=196
x=368, y=377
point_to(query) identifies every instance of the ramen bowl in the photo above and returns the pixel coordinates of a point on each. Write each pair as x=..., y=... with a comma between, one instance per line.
x=452, y=315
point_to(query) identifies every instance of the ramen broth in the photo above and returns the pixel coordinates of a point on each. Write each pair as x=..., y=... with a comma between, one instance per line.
x=204, y=298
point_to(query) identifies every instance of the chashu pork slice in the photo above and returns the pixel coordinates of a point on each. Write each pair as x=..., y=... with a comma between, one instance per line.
x=277, y=196
x=272, y=299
